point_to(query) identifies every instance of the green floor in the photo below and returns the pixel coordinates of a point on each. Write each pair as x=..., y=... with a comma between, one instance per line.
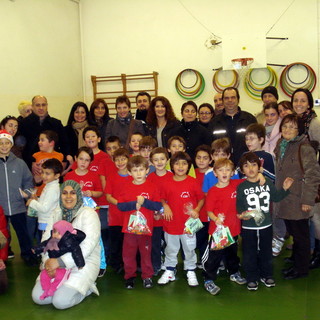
x=289, y=300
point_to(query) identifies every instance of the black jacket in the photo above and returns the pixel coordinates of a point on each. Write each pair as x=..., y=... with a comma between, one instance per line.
x=68, y=243
x=235, y=129
x=166, y=132
x=31, y=128
x=194, y=134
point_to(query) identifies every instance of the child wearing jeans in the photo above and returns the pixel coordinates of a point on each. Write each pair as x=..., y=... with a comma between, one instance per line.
x=257, y=238
x=138, y=195
x=182, y=191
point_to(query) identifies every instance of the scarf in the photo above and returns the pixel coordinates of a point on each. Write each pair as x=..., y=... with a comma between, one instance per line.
x=69, y=214
x=78, y=127
x=284, y=145
x=307, y=117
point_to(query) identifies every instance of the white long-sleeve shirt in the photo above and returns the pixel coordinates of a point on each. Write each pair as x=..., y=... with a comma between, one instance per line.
x=48, y=201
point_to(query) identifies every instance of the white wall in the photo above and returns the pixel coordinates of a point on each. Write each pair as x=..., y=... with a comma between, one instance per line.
x=40, y=54
x=149, y=35
x=41, y=44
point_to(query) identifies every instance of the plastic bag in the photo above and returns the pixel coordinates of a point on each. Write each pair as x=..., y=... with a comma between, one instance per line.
x=89, y=202
x=138, y=224
x=192, y=226
x=221, y=238
x=256, y=214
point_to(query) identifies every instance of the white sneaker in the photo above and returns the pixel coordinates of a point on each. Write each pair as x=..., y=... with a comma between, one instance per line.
x=167, y=276
x=277, y=244
x=192, y=279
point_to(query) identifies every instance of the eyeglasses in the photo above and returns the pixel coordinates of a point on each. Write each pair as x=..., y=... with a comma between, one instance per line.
x=205, y=113
x=291, y=128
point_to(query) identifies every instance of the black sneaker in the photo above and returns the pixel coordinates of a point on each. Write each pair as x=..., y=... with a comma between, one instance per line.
x=268, y=282
x=129, y=284
x=147, y=283
x=101, y=273
x=252, y=286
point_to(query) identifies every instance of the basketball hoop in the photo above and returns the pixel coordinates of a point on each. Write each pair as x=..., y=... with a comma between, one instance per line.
x=242, y=65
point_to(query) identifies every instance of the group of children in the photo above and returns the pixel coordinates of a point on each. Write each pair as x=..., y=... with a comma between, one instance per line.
x=144, y=199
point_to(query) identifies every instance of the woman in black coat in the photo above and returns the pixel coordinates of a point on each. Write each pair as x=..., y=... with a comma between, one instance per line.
x=161, y=120
x=191, y=130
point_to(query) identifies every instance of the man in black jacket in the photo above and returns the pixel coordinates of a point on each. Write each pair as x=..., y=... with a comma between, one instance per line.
x=38, y=121
x=232, y=123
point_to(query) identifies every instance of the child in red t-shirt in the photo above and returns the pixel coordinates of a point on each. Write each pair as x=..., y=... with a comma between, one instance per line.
x=141, y=195
x=114, y=187
x=159, y=157
x=203, y=160
x=221, y=199
x=181, y=191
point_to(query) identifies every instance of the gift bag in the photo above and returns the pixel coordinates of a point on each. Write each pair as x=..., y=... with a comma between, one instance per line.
x=256, y=214
x=192, y=226
x=221, y=238
x=138, y=224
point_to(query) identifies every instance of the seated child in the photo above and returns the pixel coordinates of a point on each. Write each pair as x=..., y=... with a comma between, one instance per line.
x=146, y=144
x=181, y=191
x=257, y=238
x=63, y=239
x=203, y=160
x=112, y=144
x=138, y=195
x=220, y=149
x=49, y=198
x=221, y=200
x=176, y=144
x=161, y=177
x=134, y=143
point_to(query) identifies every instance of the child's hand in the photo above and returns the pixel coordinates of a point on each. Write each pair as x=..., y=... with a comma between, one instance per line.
x=261, y=179
x=87, y=193
x=140, y=200
x=219, y=221
x=287, y=183
x=167, y=213
x=194, y=214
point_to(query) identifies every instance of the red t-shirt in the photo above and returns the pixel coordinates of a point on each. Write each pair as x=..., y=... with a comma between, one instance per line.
x=89, y=181
x=161, y=182
x=223, y=200
x=130, y=193
x=203, y=212
x=177, y=194
x=115, y=186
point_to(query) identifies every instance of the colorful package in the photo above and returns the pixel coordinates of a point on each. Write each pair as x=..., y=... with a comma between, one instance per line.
x=138, y=224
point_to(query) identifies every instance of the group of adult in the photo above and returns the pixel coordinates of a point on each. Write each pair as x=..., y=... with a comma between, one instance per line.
x=201, y=125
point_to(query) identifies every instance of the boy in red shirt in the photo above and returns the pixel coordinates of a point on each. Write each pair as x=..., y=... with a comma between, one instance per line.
x=181, y=191
x=139, y=195
x=114, y=188
x=159, y=157
x=221, y=199
x=203, y=160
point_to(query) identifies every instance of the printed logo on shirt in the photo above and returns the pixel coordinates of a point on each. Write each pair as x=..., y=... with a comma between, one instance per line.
x=145, y=195
x=185, y=195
